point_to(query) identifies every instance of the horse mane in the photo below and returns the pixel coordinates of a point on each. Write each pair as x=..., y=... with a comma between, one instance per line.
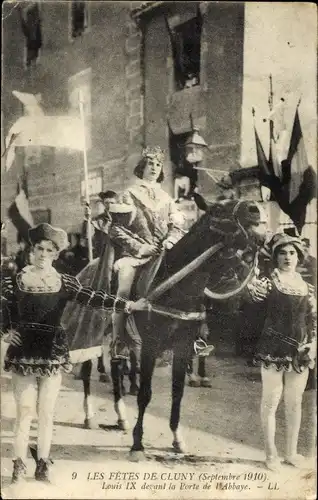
x=216, y=222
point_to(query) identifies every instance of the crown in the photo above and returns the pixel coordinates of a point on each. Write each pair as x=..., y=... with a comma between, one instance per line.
x=153, y=152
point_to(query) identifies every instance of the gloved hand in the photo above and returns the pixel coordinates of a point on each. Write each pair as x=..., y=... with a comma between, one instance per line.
x=167, y=244
x=147, y=250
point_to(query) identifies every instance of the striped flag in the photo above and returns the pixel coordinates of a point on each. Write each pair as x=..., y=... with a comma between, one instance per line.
x=19, y=212
x=296, y=159
x=264, y=166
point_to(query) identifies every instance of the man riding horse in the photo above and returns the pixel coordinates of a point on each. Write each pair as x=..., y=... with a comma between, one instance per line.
x=154, y=223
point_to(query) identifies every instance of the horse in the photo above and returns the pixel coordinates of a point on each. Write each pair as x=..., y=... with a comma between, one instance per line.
x=209, y=254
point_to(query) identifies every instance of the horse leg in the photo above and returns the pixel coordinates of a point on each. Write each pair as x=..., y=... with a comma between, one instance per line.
x=120, y=408
x=133, y=375
x=179, y=367
x=205, y=381
x=147, y=365
x=193, y=379
x=86, y=372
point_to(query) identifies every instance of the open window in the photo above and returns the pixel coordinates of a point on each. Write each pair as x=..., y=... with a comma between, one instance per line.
x=31, y=28
x=79, y=18
x=186, y=50
x=185, y=176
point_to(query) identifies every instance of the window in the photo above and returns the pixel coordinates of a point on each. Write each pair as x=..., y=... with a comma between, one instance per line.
x=185, y=175
x=31, y=28
x=79, y=18
x=186, y=50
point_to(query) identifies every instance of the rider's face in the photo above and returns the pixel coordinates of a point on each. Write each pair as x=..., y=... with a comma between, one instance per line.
x=152, y=170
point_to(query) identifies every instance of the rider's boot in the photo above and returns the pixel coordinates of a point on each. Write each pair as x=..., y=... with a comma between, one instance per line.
x=118, y=348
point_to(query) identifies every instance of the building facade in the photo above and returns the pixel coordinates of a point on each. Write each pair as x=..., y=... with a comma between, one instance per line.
x=147, y=73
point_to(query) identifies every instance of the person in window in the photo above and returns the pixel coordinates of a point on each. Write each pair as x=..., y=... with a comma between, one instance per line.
x=151, y=224
x=287, y=345
x=33, y=302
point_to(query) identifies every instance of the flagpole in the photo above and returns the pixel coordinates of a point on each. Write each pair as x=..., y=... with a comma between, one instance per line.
x=88, y=227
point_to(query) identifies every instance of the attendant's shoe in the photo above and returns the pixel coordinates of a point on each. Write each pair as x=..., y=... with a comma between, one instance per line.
x=273, y=463
x=205, y=382
x=194, y=381
x=42, y=470
x=19, y=471
x=297, y=461
x=105, y=378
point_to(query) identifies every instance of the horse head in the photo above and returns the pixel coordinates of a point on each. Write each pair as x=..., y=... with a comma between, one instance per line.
x=238, y=223
x=242, y=226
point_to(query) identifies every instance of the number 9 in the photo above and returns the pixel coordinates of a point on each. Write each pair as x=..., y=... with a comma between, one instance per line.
x=74, y=475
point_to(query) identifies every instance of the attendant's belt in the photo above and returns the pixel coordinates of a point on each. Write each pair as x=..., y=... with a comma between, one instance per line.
x=35, y=326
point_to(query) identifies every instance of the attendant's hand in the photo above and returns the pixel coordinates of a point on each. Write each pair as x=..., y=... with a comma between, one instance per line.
x=148, y=250
x=139, y=305
x=14, y=338
x=310, y=349
x=258, y=289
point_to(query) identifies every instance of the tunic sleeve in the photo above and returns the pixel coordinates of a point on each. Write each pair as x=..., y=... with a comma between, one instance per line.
x=7, y=296
x=311, y=318
x=98, y=299
x=125, y=239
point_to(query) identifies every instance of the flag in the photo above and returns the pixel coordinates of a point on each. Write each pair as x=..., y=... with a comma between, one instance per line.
x=19, y=212
x=52, y=131
x=265, y=168
x=273, y=159
x=298, y=183
x=296, y=159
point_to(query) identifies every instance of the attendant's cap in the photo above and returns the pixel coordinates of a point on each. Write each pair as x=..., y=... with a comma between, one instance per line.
x=45, y=231
x=154, y=152
x=107, y=194
x=280, y=239
x=120, y=208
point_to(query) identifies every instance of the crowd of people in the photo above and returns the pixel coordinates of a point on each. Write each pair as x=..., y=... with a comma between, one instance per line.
x=140, y=225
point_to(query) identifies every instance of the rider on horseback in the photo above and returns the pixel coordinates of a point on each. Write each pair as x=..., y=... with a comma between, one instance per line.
x=154, y=223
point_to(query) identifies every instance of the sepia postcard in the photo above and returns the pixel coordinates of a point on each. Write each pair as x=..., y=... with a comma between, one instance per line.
x=158, y=250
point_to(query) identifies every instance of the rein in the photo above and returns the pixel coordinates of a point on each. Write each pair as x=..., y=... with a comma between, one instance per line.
x=228, y=295
x=185, y=271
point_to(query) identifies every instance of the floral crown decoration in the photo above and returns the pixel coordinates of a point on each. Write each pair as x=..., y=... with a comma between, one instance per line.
x=153, y=152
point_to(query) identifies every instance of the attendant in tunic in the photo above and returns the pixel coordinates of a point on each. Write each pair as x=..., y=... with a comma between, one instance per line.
x=287, y=345
x=33, y=302
x=154, y=224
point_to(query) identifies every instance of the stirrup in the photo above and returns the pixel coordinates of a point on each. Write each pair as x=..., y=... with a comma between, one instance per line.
x=201, y=348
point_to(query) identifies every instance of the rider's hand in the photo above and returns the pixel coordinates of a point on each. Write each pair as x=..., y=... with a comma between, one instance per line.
x=148, y=250
x=167, y=244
